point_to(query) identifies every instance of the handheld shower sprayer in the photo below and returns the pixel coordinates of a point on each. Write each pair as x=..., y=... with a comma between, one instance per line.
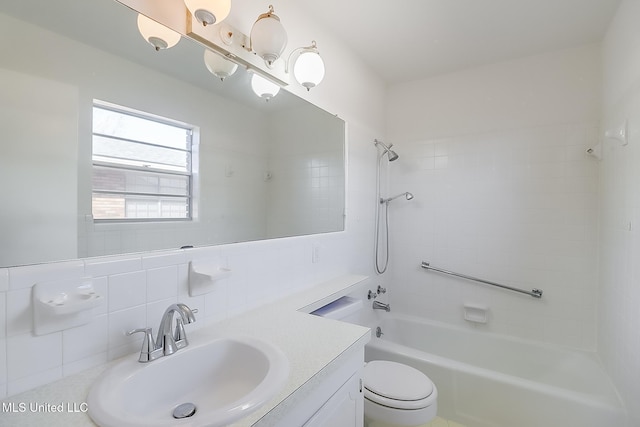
x=381, y=265
x=387, y=150
x=407, y=196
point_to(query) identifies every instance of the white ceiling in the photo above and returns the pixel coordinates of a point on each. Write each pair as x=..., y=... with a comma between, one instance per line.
x=404, y=40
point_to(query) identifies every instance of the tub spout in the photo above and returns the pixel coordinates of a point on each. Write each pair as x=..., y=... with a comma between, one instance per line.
x=377, y=305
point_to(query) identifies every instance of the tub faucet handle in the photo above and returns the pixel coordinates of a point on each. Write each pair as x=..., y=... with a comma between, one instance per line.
x=381, y=290
x=372, y=295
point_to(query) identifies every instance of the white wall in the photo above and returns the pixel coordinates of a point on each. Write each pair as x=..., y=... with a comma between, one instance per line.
x=619, y=296
x=139, y=287
x=495, y=157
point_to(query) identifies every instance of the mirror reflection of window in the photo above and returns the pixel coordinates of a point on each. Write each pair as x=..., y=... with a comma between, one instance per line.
x=142, y=166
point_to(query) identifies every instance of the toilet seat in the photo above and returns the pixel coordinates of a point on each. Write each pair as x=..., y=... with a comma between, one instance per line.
x=398, y=386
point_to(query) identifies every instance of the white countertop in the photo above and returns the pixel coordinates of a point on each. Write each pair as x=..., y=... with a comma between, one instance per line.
x=313, y=345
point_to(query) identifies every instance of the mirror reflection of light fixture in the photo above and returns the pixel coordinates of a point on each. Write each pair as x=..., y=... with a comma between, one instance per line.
x=208, y=12
x=308, y=68
x=268, y=37
x=156, y=34
x=218, y=65
x=263, y=87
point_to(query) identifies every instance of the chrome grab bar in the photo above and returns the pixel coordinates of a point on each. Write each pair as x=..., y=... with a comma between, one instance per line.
x=536, y=293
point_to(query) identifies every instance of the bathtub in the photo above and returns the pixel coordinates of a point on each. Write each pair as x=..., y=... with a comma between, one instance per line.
x=487, y=380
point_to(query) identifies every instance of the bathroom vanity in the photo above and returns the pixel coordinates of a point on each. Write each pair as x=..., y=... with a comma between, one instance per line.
x=325, y=358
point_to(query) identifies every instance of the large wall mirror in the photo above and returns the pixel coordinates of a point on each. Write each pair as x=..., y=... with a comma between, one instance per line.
x=261, y=169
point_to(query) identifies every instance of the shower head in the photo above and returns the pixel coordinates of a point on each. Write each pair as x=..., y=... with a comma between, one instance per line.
x=387, y=150
x=406, y=195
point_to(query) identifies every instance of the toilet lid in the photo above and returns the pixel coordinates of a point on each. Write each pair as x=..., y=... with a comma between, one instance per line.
x=396, y=381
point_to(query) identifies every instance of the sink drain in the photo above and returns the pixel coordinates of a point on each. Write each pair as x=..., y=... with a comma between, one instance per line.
x=184, y=410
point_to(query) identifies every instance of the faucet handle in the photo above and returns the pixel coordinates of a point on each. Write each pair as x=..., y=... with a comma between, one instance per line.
x=148, y=344
x=179, y=335
x=148, y=351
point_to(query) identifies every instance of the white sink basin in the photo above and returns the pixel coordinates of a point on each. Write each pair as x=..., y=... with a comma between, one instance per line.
x=226, y=379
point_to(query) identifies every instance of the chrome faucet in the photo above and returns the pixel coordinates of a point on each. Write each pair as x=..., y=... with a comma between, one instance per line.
x=168, y=341
x=377, y=305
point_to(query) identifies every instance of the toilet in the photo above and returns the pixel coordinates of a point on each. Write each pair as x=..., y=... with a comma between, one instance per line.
x=395, y=394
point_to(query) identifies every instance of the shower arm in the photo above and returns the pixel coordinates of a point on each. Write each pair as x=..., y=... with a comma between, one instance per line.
x=386, y=150
x=408, y=195
x=383, y=145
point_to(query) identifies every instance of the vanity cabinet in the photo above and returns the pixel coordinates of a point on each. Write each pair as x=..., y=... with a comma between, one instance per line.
x=334, y=398
x=344, y=409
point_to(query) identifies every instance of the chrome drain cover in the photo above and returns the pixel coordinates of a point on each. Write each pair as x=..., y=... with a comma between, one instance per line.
x=184, y=410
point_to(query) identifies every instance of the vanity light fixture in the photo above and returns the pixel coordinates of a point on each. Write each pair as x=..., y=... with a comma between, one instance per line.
x=308, y=68
x=268, y=37
x=156, y=34
x=230, y=48
x=263, y=87
x=208, y=12
x=218, y=65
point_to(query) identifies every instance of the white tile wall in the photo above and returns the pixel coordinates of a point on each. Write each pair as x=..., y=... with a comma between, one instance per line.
x=4, y=280
x=503, y=191
x=28, y=356
x=127, y=290
x=85, y=341
x=162, y=283
x=19, y=314
x=504, y=212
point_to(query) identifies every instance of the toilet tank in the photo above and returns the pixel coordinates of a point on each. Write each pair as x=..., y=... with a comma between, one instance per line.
x=346, y=309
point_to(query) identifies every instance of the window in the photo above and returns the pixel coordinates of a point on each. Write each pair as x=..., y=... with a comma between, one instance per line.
x=141, y=166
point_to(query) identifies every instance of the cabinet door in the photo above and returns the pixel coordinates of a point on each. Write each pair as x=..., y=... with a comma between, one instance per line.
x=344, y=409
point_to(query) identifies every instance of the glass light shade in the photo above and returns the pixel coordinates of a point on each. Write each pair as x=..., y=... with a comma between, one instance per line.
x=157, y=34
x=309, y=69
x=268, y=37
x=219, y=66
x=263, y=87
x=209, y=12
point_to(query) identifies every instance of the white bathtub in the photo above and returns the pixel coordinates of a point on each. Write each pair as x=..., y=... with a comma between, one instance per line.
x=486, y=380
